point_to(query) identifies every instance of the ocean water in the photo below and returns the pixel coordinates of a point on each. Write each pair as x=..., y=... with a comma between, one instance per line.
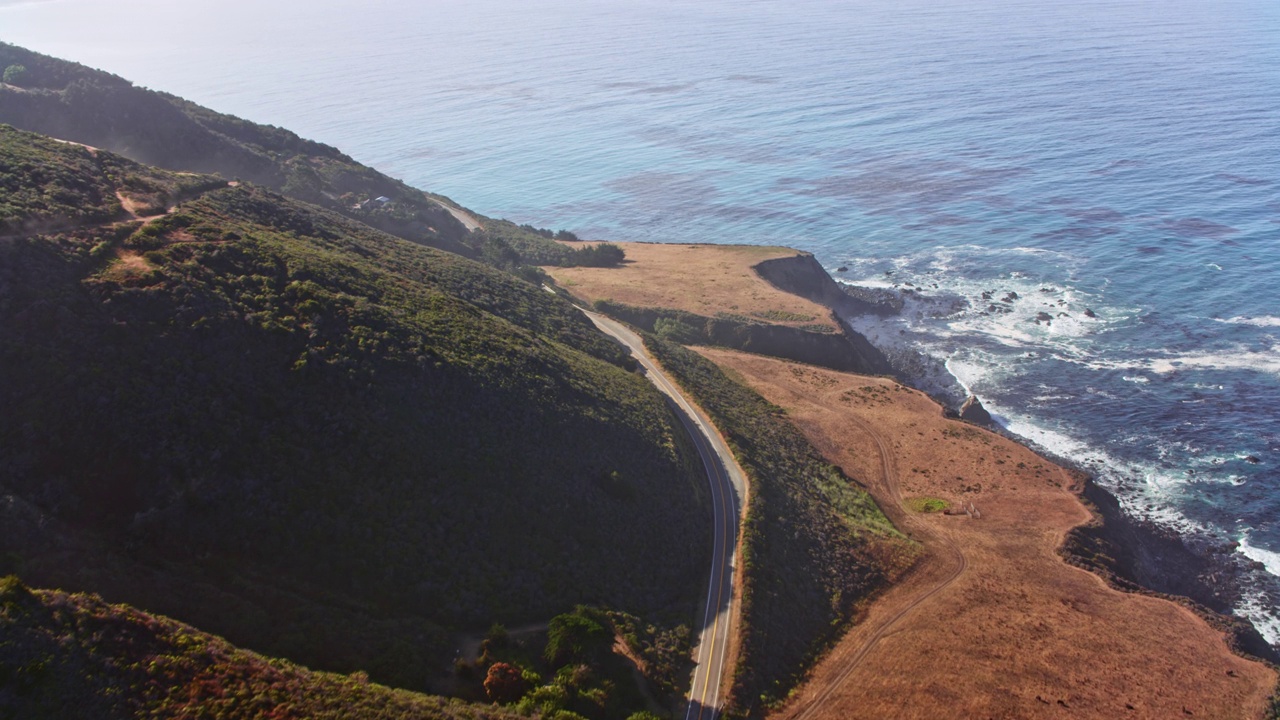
x=1082, y=199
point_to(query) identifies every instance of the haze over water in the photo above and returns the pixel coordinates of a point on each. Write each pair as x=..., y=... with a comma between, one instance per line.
x=1119, y=158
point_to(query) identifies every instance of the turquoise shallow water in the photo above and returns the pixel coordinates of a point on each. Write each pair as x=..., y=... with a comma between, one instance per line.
x=1117, y=157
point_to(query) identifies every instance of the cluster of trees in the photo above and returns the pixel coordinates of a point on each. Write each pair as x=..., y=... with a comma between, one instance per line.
x=512, y=244
x=15, y=74
x=564, y=235
x=567, y=672
x=73, y=655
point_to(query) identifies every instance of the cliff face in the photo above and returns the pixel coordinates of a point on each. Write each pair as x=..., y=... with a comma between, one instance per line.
x=803, y=275
x=847, y=350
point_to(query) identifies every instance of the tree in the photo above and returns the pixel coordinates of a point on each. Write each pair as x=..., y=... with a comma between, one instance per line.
x=14, y=74
x=602, y=255
x=566, y=236
x=504, y=683
x=575, y=636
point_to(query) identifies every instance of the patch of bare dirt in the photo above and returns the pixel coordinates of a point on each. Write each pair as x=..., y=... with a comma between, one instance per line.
x=708, y=280
x=128, y=265
x=992, y=624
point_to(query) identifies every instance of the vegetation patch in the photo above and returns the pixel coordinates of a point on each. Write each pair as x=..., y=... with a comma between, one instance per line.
x=926, y=504
x=73, y=655
x=502, y=242
x=783, y=316
x=587, y=663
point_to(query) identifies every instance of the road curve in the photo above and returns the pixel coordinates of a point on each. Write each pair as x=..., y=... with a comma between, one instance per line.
x=467, y=219
x=728, y=485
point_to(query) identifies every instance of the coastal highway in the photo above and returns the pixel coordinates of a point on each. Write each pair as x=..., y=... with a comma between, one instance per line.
x=728, y=486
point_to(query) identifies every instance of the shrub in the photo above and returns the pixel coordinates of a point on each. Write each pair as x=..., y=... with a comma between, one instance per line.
x=15, y=74
x=504, y=683
x=602, y=255
x=574, y=636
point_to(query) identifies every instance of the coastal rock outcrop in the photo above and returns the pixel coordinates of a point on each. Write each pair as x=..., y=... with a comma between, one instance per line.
x=973, y=411
x=803, y=275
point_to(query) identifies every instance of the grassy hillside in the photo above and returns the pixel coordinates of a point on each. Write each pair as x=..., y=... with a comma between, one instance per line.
x=73, y=656
x=814, y=544
x=73, y=102
x=319, y=440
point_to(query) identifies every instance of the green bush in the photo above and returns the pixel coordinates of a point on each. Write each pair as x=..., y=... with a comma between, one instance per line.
x=576, y=637
x=15, y=74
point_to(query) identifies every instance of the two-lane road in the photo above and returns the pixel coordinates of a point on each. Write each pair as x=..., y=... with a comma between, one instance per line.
x=728, y=486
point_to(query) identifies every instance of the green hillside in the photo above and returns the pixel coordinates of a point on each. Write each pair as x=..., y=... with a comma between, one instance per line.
x=72, y=102
x=50, y=185
x=70, y=656
x=314, y=438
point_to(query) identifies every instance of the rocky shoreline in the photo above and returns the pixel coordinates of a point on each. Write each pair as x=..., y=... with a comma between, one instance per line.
x=1131, y=554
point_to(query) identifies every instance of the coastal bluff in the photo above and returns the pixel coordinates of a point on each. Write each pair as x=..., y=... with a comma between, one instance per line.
x=769, y=300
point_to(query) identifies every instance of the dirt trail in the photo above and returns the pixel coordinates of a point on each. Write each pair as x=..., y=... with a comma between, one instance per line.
x=127, y=204
x=956, y=560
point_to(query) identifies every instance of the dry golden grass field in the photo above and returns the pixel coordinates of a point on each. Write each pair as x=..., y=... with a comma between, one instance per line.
x=702, y=279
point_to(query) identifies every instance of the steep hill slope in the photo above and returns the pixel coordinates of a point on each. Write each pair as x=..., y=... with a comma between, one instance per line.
x=75, y=656
x=70, y=101
x=314, y=438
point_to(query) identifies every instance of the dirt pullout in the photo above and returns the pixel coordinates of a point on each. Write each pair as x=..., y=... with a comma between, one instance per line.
x=708, y=280
x=993, y=624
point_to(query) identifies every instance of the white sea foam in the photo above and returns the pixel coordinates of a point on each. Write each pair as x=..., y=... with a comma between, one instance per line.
x=1239, y=358
x=1236, y=358
x=1259, y=321
x=1270, y=559
x=1256, y=605
x=950, y=298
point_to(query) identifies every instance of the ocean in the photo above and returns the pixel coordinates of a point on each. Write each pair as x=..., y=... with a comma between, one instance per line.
x=1080, y=202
